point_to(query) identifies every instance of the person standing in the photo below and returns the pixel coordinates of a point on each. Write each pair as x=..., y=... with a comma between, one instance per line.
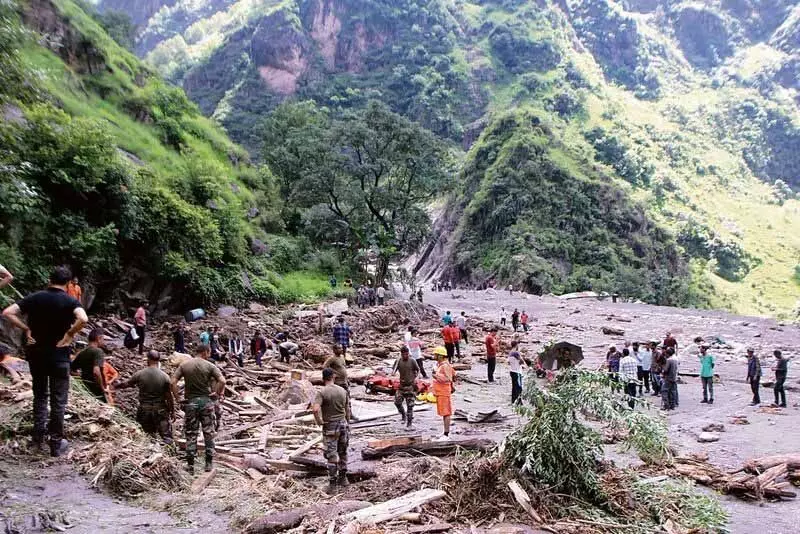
x=156, y=403
x=332, y=411
x=337, y=363
x=204, y=383
x=89, y=362
x=669, y=392
x=492, y=348
x=407, y=368
x=236, y=348
x=706, y=374
x=447, y=318
x=461, y=323
x=754, y=375
x=179, y=337
x=645, y=359
x=205, y=337
x=612, y=363
x=342, y=335
x=214, y=344
x=515, y=366
x=656, y=366
x=140, y=323
x=515, y=319
x=503, y=315
x=781, y=369
x=452, y=341
x=419, y=295
x=414, y=345
x=628, y=373
x=523, y=319
x=74, y=289
x=258, y=347
x=53, y=319
x=443, y=388
x=381, y=294
x=671, y=343
x=332, y=281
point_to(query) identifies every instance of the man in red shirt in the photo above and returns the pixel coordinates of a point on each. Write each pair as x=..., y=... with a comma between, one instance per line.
x=524, y=320
x=670, y=341
x=452, y=336
x=492, y=347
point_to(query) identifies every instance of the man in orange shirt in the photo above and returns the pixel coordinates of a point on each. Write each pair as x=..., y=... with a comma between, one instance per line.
x=452, y=336
x=443, y=389
x=74, y=290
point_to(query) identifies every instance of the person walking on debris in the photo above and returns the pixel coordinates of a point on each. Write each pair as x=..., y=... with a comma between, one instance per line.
x=407, y=392
x=53, y=319
x=258, y=347
x=380, y=292
x=236, y=348
x=342, y=335
x=628, y=372
x=451, y=337
x=74, y=289
x=503, y=316
x=781, y=369
x=754, y=375
x=447, y=318
x=515, y=320
x=179, y=337
x=523, y=320
x=140, y=324
x=443, y=388
x=515, y=366
x=414, y=345
x=645, y=359
x=89, y=363
x=156, y=403
x=200, y=377
x=656, y=367
x=492, y=348
x=706, y=374
x=332, y=411
x=461, y=323
x=669, y=391
x=419, y=295
x=337, y=363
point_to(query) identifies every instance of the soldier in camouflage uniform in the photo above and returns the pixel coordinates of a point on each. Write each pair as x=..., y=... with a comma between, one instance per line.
x=407, y=392
x=156, y=404
x=332, y=411
x=200, y=377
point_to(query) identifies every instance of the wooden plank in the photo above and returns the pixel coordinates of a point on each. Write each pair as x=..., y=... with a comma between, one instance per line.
x=391, y=509
x=202, y=481
x=255, y=474
x=230, y=432
x=429, y=448
x=523, y=499
x=306, y=447
x=262, y=441
x=435, y=527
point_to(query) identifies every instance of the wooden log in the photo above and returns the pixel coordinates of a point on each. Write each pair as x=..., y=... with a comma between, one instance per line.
x=391, y=509
x=792, y=460
x=355, y=473
x=202, y=481
x=768, y=476
x=524, y=500
x=231, y=432
x=255, y=474
x=430, y=448
x=435, y=527
x=280, y=521
x=262, y=440
x=306, y=447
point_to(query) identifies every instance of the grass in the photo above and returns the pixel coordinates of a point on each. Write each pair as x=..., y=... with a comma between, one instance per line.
x=307, y=287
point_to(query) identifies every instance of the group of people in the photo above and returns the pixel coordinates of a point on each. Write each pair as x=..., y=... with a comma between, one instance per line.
x=518, y=320
x=233, y=346
x=366, y=295
x=653, y=366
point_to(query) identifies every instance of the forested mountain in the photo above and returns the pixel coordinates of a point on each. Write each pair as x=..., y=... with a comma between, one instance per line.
x=641, y=146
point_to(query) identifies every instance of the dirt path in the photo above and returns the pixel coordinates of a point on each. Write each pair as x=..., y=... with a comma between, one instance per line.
x=580, y=321
x=40, y=495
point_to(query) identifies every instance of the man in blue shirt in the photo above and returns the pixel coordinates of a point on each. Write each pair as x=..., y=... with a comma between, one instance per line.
x=342, y=335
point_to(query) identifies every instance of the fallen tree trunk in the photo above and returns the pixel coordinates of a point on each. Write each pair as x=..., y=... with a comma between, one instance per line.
x=389, y=510
x=320, y=466
x=280, y=521
x=415, y=446
x=763, y=463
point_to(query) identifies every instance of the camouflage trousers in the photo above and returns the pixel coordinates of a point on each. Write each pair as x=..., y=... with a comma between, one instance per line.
x=155, y=419
x=337, y=439
x=199, y=412
x=407, y=395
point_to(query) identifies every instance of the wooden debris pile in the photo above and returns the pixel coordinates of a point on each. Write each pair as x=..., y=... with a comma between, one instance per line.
x=769, y=477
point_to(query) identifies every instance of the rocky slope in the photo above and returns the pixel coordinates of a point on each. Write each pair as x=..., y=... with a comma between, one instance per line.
x=686, y=108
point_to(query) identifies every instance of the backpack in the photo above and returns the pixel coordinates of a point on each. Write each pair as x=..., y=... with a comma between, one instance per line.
x=129, y=341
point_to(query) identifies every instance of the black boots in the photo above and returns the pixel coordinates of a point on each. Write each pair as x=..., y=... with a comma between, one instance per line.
x=209, y=463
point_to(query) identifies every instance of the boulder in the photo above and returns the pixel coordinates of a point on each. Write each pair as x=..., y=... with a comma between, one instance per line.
x=226, y=311
x=297, y=392
x=708, y=437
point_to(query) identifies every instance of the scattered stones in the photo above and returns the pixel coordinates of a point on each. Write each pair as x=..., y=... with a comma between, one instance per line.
x=226, y=311
x=714, y=427
x=708, y=437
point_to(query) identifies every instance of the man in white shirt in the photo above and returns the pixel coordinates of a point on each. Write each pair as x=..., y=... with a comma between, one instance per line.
x=461, y=323
x=628, y=372
x=645, y=359
x=414, y=346
x=381, y=294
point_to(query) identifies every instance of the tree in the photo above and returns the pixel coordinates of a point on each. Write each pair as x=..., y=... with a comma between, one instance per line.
x=373, y=170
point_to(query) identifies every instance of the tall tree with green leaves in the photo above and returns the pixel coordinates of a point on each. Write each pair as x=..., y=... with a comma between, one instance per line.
x=368, y=175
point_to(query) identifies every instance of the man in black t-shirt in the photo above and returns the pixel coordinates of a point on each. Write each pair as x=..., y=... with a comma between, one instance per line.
x=90, y=363
x=53, y=319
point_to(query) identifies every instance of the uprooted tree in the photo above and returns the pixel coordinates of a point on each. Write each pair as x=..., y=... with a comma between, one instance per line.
x=557, y=455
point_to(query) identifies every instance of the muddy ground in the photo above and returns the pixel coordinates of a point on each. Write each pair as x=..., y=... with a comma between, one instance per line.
x=32, y=486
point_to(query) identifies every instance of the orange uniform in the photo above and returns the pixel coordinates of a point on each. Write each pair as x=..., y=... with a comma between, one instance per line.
x=443, y=388
x=74, y=291
x=451, y=334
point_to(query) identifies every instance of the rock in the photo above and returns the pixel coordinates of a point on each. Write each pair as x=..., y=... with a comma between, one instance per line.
x=297, y=392
x=611, y=331
x=258, y=247
x=255, y=307
x=226, y=311
x=708, y=437
x=316, y=351
x=714, y=427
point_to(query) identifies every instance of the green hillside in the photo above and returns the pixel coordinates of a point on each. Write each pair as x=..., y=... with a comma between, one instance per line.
x=108, y=169
x=685, y=112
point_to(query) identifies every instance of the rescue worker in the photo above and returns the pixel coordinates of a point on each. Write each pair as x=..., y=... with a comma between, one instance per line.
x=408, y=370
x=199, y=376
x=443, y=388
x=332, y=411
x=89, y=362
x=156, y=403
